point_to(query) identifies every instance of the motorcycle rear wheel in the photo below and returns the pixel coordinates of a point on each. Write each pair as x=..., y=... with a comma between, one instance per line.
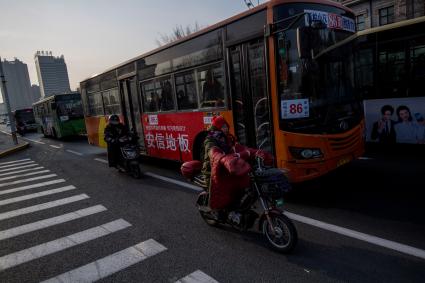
x=285, y=236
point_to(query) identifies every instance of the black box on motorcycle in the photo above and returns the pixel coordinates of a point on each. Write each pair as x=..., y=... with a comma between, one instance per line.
x=272, y=182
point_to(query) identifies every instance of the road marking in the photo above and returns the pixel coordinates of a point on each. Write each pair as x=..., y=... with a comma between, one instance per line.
x=15, y=161
x=74, y=152
x=365, y=158
x=42, y=224
x=7, y=133
x=54, y=146
x=27, y=180
x=36, y=195
x=24, y=175
x=197, y=277
x=42, y=206
x=19, y=167
x=330, y=227
x=11, y=165
x=32, y=186
x=101, y=160
x=359, y=236
x=170, y=180
x=20, y=171
x=111, y=264
x=20, y=257
x=40, y=142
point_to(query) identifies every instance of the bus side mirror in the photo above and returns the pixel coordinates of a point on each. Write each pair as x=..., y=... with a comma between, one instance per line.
x=53, y=105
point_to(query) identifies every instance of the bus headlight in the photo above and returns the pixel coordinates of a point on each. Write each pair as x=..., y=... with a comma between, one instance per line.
x=305, y=153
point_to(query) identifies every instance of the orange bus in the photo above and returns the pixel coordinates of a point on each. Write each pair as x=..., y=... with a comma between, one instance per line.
x=271, y=71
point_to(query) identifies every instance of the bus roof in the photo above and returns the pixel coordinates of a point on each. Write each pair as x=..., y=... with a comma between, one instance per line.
x=53, y=97
x=220, y=24
x=392, y=26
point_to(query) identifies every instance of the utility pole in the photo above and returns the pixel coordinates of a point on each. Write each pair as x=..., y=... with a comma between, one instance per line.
x=6, y=100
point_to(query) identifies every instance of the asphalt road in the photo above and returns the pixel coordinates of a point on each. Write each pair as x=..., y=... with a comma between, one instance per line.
x=379, y=197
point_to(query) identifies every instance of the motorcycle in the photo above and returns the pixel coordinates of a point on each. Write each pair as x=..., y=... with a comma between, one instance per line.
x=261, y=202
x=130, y=154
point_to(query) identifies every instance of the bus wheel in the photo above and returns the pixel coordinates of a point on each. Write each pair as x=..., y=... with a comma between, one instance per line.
x=55, y=136
x=43, y=132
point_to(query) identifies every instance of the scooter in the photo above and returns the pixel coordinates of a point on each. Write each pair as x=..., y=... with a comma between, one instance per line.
x=260, y=207
x=130, y=153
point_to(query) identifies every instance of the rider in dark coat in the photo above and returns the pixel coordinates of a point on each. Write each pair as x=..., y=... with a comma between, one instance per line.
x=113, y=131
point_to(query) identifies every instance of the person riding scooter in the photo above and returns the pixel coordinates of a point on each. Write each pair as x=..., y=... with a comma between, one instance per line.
x=220, y=151
x=113, y=132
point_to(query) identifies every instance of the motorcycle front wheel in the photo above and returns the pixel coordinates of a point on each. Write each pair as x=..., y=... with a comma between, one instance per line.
x=135, y=171
x=283, y=236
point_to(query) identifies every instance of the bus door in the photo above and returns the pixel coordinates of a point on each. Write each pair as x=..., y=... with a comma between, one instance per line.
x=248, y=80
x=131, y=108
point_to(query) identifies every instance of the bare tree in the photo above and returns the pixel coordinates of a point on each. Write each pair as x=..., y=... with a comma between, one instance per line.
x=177, y=33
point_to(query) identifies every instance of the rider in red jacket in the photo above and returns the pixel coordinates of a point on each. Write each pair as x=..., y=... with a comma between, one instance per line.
x=226, y=164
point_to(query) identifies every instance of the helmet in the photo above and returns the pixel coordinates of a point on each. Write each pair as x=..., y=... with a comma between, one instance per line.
x=218, y=122
x=114, y=119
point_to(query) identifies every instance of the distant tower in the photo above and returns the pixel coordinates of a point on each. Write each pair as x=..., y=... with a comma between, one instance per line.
x=52, y=73
x=18, y=84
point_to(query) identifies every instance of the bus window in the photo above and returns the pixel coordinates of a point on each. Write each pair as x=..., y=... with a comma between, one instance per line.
x=165, y=90
x=70, y=109
x=417, y=57
x=211, y=82
x=111, y=101
x=95, y=104
x=186, y=91
x=150, y=97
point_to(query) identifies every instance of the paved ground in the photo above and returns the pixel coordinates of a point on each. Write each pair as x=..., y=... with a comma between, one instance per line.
x=379, y=197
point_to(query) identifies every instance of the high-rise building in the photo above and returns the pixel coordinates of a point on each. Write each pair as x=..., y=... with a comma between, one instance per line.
x=52, y=73
x=374, y=13
x=18, y=84
x=35, y=89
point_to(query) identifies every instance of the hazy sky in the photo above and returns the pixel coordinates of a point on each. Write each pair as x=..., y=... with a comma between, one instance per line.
x=94, y=35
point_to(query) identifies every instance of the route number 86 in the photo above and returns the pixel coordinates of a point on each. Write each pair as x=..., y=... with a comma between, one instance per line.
x=296, y=108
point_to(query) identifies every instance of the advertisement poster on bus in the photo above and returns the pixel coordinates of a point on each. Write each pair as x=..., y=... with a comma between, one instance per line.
x=395, y=120
x=171, y=135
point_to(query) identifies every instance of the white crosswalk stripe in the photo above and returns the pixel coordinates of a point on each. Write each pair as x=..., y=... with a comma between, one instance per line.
x=43, y=206
x=42, y=224
x=13, y=173
x=24, y=175
x=21, y=171
x=36, y=195
x=19, y=167
x=38, y=185
x=27, y=180
x=197, y=277
x=110, y=264
x=57, y=245
x=15, y=161
x=12, y=165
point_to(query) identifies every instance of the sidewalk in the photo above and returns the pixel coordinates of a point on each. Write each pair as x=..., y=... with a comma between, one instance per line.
x=8, y=147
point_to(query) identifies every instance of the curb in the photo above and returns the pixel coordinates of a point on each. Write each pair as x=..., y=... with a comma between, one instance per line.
x=23, y=145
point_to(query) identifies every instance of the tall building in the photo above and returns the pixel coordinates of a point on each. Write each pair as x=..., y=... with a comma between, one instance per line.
x=52, y=73
x=373, y=13
x=18, y=84
x=35, y=89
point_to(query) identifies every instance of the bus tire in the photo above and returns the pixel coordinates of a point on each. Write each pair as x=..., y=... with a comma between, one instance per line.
x=43, y=132
x=55, y=136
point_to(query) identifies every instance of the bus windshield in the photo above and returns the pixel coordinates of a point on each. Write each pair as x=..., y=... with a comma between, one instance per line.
x=69, y=108
x=316, y=92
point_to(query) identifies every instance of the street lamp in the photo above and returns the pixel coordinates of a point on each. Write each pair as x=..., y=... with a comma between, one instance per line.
x=6, y=101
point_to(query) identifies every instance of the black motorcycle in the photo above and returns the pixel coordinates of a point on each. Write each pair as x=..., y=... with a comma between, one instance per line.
x=262, y=202
x=130, y=153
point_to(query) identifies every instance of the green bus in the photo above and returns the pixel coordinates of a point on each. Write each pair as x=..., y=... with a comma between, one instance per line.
x=60, y=115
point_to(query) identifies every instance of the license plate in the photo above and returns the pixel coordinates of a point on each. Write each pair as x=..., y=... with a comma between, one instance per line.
x=343, y=161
